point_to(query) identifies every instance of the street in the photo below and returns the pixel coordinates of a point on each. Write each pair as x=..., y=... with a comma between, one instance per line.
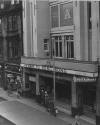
x=21, y=114
x=23, y=109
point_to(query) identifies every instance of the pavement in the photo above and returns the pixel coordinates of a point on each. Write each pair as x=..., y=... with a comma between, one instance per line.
x=32, y=103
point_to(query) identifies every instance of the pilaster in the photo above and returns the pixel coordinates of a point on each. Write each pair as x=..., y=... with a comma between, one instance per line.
x=76, y=13
x=86, y=31
x=74, y=99
x=94, y=14
x=76, y=107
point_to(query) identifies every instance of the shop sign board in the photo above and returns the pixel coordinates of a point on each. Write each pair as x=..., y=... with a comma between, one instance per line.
x=61, y=70
x=31, y=78
x=83, y=79
x=10, y=75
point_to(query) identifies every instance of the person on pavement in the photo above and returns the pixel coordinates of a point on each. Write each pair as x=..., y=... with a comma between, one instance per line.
x=76, y=122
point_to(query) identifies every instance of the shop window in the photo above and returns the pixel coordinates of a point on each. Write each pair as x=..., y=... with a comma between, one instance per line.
x=69, y=46
x=54, y=16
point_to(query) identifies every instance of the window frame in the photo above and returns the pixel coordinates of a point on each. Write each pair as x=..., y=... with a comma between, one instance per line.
x=68, y=48
x=57, y=42
x=46, y=45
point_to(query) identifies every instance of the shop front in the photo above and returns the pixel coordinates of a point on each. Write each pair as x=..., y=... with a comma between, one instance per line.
x=62, y=88
x=1, y=74
x=30, y=82
x=30, y=85
x=69, y=83
x=86, y=95
x=12, y=76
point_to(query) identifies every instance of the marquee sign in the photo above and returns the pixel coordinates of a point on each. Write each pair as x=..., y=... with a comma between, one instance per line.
x=61, y=70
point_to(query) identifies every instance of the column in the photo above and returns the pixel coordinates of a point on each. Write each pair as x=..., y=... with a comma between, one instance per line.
x=5, y=49
x=76, y=98
x=98, y=99
x=63, y=49
x=4, y=34
x=37, y=84
x=95, y=14
x=25, y=51
x=86, y=53
x=76, y=13
x=23, y=78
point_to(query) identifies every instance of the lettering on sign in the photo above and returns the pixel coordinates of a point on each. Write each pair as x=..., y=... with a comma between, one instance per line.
x=50, y=67
x=83, y=79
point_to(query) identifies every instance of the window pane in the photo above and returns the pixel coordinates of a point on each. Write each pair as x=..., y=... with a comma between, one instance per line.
x=66, y=14
x=72, y=50
x=67, y=50
x=69, y=45
x=67, y=37
x=60, y=49
x=54, y=16
x=56, y=47
x=71, y=37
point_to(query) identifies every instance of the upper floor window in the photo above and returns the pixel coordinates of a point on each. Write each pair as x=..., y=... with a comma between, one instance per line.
x=46, y=44
x=9, y=23
x=62, y=15
x=63, y=46
x=57, y=45
x=54, y=16
x=13, y=49
x=12, y=23
x=69, y=46
x=66, y=14
x=89, y=15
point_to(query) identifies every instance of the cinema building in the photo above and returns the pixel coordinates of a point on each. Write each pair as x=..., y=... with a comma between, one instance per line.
x=61, y=46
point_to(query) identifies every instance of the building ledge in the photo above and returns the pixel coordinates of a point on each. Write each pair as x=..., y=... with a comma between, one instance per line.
x=75, y=67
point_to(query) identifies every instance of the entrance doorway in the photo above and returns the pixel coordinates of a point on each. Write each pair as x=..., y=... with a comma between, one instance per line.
x=88, y=98
x=63, y=94
x=32, y=86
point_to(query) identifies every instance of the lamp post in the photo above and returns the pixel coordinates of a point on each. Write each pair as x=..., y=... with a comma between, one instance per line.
x=54, y=78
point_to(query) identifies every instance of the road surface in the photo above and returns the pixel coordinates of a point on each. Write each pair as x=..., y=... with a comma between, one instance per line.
x=21, y=114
